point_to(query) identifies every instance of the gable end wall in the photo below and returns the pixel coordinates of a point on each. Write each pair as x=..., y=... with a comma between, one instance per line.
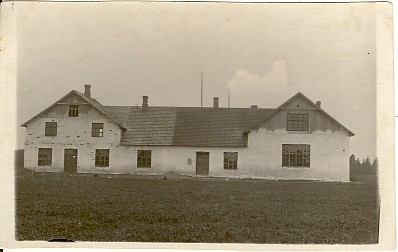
x=72, y=133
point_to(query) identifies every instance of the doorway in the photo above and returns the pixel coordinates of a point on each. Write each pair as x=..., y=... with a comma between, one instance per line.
x=70, y=160
x=202, y=163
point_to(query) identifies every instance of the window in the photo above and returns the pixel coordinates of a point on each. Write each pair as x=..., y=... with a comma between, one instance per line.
x=295, y=155
x=73, y=110
x=298, y=122
x=97, y=130
x=102, y=157
x=144, y=159
x=45, y=157
x=51, y=129
x=230, y=160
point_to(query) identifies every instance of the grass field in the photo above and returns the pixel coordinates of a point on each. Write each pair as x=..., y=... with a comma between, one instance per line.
x=183, y=209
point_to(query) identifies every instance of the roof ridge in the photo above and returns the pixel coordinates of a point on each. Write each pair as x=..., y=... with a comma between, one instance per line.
x=182, y=107
x=96, y=104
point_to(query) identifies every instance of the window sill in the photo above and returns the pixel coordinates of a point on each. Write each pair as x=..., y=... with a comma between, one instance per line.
x=144, y=167
x=297, y=167
x=298, y=132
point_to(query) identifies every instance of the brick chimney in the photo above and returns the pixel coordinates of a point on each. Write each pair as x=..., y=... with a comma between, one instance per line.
x=87, y=91
x=145, y=103
x=215, y=104
x=318, y=104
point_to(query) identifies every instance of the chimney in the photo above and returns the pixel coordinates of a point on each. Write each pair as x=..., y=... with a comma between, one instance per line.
x=253, y=106
x=145, y=103
x=318, y=104
x=87, y=91
x=215, y=104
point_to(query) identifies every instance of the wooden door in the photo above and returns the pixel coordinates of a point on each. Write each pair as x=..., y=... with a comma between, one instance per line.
x=202, y=163
x=70, y=160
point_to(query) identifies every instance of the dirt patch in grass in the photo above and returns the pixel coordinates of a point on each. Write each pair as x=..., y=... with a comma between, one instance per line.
x=154, y=209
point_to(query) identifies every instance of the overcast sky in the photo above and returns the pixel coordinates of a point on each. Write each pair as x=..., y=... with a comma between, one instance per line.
x=265, y=53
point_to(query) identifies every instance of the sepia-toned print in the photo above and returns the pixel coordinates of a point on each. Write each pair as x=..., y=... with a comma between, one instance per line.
x=197, y=122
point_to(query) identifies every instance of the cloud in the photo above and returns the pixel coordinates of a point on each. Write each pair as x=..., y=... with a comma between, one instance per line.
x=248, y=88
x=277, y=76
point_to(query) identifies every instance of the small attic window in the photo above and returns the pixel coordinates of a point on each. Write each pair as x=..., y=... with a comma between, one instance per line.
x=73, y=110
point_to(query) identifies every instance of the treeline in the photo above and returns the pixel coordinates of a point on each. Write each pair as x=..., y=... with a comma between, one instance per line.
x=18, y=162
x=366, y=167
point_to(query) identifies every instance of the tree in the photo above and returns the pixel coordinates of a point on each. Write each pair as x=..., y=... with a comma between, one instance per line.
x=375, y=165
x=352, y=161
x=353, y=167
x=367, y=166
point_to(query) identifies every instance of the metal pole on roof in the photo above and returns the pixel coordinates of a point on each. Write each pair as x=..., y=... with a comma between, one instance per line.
x=229, y=97
x=201, y=89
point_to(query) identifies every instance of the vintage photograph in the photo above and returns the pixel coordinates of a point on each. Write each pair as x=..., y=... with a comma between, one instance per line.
x=197, y=122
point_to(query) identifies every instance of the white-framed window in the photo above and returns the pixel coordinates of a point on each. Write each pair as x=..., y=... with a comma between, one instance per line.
x=230, y=160
x=74, y=110
x=298, y=122
x=296, y=155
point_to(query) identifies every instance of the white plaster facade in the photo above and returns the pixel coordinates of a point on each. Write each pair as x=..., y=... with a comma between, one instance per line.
x=262, y=158
x=72, y=133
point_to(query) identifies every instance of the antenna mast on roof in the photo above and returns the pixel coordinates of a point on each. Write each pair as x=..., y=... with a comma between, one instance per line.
x=201, y=89
x=229, y=97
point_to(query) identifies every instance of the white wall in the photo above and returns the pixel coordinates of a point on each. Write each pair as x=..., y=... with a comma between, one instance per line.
x=329, y=155
x=72, y=133
x=261, y=159
x=164, y=159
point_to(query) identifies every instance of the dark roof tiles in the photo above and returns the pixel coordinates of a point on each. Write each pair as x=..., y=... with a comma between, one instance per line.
x=215, y=127
x=119, y=113
x=154, y=126
x=186, y=126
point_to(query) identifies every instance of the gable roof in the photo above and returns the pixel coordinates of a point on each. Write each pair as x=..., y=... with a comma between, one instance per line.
x=350, y=133
x=186, y=126
x=97, y=105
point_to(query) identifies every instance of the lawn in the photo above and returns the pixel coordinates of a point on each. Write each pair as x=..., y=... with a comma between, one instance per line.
x=184, y=209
